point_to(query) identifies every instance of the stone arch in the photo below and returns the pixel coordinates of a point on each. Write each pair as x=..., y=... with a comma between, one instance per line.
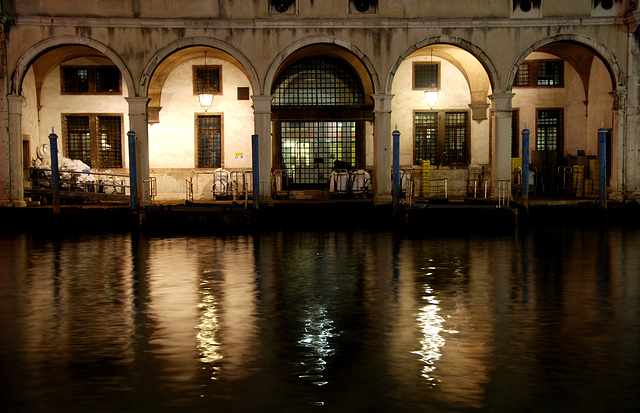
x=315, y=40
x=198, y=41
x=25, y=61
x=609, y=59
x=485, y=61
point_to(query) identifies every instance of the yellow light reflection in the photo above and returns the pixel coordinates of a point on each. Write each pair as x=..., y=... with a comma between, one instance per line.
x=430, y=324
x=208, y=327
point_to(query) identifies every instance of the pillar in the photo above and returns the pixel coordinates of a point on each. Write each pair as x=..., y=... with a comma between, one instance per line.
x=262, y=124
x=138, y=117
x=16, y=173
x=382, y=150
x=501, y=160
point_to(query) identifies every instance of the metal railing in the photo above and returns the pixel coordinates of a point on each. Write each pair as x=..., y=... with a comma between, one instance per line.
x=504, y=192
x=81, y=185
x=439, y=188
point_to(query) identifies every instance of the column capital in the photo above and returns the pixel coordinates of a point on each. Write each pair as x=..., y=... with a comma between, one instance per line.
x=15, y=103
x=138, y=102
x=502, y=102
x=382, y=103
x=262, y=103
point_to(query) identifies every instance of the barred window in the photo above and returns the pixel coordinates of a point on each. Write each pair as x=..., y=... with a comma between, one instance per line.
x=442, y=138
x=90, y=80
x=523, y=77
x=550, y=73
x=426, y=75
x=317, y=82
x=209, y=141
x=110, y=141
x=541, y=73
x=79, y=138
x=94, y=139
x=207, y=79
x=550, y=135
x=426, y=137
x=456, y=141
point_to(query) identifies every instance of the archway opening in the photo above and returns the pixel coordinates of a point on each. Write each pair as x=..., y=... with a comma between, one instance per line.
x=321, y=116
x=563, y=94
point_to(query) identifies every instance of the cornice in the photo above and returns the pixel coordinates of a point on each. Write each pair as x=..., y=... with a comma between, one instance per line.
x=300, y=23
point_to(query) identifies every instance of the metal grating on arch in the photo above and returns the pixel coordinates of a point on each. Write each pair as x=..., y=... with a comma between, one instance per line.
x=317, y=82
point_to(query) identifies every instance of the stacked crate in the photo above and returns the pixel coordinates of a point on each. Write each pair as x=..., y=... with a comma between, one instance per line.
x=425, y=175
x=578, y=180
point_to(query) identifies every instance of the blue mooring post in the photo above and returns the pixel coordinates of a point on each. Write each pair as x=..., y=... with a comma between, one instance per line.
x=396, y=167
x=55, y=174
x=255, y=163
x=525, y=164
x=133, y=170
x=602, y=161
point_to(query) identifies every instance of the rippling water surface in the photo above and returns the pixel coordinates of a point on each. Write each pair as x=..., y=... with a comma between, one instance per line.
x=347, y=320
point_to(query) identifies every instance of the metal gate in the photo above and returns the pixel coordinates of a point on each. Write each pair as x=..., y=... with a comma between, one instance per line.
x=312, y=149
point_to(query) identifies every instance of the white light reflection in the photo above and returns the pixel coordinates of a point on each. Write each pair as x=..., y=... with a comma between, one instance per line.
x=318, y=331
x=209, y=325
x=430, y=324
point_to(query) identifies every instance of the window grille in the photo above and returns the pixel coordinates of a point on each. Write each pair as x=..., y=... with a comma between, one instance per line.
x=550, y=127
x=426, y=137
x=94, y=139
x=75, y=79
x=209, y=141
x=550, y=73
x=311, y=150
x=317, y=82
x=79, y=138
x=206, y=79
x=90, y=80
x=107, y=79
x=110, y=141
x=523, y=77
x=456, y=141
x=425, y=75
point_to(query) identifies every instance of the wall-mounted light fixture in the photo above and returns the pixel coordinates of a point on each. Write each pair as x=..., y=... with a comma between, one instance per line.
x=205, y=96
x=431, y=94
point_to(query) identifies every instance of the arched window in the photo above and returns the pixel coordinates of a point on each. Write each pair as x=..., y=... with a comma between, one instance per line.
x=317, y=82
x=319, y=112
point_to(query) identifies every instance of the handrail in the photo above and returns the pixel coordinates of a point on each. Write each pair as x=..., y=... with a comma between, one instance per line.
x=72, y=182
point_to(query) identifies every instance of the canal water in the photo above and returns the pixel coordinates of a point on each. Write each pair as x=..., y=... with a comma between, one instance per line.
x=336, y=320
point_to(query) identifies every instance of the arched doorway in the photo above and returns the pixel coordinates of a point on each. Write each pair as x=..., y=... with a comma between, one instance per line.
x=563, y=93
x=319, y=113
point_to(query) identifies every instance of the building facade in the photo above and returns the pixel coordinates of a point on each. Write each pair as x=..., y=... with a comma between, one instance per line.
x=323, y=84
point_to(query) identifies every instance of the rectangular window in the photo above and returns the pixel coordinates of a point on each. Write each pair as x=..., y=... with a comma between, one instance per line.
x=207, y=79
x=90, y=80
x=442, y=138
x=523, y=77
x=426, y=75
x=456, y=138
x=79, y=138
x=550, y=73
x=209, y=141
x=550, y=135
x=540, y=73
x=94, y=139
x=426, y=137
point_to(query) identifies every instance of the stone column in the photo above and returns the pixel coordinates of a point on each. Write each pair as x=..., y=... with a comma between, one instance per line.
x=623, y=147
x=138, y=117
x=16, y=173
x=382, y=150
x=262, y=122
x=501, y=160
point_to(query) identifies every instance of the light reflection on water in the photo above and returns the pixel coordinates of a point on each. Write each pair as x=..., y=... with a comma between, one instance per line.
x=339, y=320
